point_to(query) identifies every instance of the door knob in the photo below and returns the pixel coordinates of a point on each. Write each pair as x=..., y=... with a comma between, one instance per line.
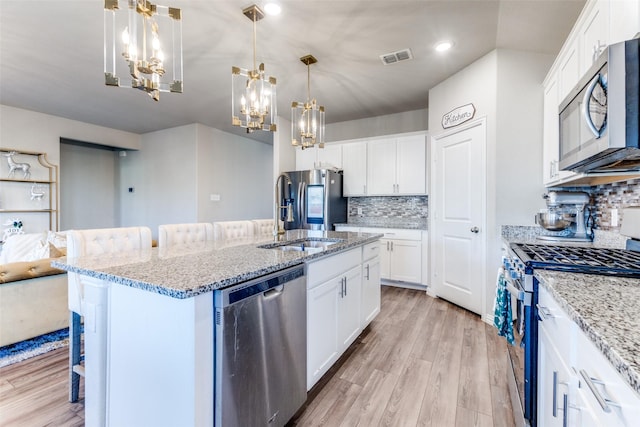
x=475, y=229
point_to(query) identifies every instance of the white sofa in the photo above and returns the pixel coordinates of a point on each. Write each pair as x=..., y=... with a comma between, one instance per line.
x=33, y=295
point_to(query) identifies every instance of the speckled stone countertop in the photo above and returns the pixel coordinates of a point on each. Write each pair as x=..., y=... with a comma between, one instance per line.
x=606, y=308
x=188, y=270
x=398, y=223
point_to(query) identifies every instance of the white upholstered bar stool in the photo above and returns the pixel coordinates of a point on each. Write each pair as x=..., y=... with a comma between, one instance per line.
x=94, y=242
x=233, y=230
x=175, y=234
x=263, y=227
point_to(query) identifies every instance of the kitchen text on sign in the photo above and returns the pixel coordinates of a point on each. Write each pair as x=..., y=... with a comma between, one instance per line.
x=458, y=116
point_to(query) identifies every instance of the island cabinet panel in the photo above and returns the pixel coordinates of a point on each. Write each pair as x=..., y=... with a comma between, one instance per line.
x=160, y=359
x=370, y=306
x=333, y=310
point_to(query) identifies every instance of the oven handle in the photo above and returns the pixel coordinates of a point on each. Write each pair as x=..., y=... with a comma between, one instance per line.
x=517, y=292
x=602, y=401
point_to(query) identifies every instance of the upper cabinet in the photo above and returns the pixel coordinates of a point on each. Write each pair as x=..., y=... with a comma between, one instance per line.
x=354, y=166
x=593, y=34
x=328, y=157
x=397, y=166
x=602, y=22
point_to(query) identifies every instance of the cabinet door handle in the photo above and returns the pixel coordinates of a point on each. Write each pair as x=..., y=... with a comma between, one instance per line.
x=565, y=409
x=367, y=271
x=544, y=313
x=602, y=401
x=391, y=246
x=387, y=246
x=345, y=286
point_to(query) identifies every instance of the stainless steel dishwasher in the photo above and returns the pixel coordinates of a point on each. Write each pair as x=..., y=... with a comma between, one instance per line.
x=261, y=350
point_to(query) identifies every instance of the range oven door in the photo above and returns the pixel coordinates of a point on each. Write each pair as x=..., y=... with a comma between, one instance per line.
x=524, y=355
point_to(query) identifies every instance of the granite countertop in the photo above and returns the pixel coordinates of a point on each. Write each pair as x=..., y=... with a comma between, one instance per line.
x=397, y=223
x=185, y=271
x=605, y=308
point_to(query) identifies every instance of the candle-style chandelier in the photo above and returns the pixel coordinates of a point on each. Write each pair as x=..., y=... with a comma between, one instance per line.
x=253, y=95
x=307, y=118
x=144, y=42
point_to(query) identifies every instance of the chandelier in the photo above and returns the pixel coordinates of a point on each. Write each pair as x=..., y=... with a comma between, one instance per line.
x=253, y=96
x=307, y=118
x=143, y=46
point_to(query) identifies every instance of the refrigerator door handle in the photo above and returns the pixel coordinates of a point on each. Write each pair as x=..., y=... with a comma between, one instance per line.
x=302, y=203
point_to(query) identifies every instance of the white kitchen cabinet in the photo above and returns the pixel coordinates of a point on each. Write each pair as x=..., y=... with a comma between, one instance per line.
x=349, y=306
x=568, y=358
x=400, y=255
x=624, y=20
x=322, y=329
x=568, y=70
x=333, y=310
x=551, y=128
x=319, y=158
x=594, y=33
x=381, y=167
x=397, y=166
x=370, y=306
x=354, y=162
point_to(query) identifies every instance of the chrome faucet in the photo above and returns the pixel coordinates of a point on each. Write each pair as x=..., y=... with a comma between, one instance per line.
x=277, y=230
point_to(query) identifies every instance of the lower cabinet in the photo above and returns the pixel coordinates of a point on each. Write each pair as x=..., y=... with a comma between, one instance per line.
x=335, y=302
x=577, y=385
x=370, y=306
x=401, y=253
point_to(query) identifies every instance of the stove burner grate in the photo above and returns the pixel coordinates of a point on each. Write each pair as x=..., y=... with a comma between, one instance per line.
x=580, y=259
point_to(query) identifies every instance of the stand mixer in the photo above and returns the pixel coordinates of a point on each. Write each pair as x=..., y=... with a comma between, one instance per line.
x=565, y=214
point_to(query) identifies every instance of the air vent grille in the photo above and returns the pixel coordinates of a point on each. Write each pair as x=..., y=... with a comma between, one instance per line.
x=394, y=57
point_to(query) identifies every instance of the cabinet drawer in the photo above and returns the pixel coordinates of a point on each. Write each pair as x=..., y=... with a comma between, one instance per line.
x=324, y=269
x=608, y=383
x=556, y=322
x=371, y=250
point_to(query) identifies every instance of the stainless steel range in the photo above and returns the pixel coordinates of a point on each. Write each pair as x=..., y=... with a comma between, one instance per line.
x=519, y=269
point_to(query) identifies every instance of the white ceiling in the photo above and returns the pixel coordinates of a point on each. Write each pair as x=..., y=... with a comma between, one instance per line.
x=51, y=55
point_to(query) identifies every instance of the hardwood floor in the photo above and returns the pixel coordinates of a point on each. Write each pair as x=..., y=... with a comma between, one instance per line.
x=421, y=362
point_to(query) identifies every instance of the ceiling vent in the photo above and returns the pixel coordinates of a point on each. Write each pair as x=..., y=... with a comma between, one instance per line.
x=393, y=57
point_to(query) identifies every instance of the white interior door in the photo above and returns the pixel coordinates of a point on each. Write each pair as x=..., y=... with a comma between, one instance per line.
x=458, y=220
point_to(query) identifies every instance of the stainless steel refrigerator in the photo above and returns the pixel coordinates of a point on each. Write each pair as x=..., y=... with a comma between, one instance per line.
x=315, y=198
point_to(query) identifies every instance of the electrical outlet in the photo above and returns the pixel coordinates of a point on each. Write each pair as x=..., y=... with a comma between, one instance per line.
x=614, y=217
x=215, y=197
x=359, y=211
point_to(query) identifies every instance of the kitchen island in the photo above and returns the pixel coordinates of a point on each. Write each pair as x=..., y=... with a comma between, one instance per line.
x=154, y=312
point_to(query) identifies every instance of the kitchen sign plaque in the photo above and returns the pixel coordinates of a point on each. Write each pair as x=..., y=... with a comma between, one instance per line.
x=458, y=116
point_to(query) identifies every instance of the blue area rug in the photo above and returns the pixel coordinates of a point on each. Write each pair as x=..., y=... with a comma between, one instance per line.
x=20, y=351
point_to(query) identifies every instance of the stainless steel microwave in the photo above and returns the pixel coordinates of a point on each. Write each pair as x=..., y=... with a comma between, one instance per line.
x=599, y=118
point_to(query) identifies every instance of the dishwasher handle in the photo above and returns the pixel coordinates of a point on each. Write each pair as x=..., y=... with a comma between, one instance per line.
x=273, y=292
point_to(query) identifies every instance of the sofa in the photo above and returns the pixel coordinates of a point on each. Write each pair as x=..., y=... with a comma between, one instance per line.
x=33, y=295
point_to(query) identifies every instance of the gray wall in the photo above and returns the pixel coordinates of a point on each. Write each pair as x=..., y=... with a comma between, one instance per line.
x=177, y=170
x=409, y=121
x=88, y=180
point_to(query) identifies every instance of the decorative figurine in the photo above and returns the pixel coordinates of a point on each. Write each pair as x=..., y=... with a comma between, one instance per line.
x=36, y=192
x=14, y=166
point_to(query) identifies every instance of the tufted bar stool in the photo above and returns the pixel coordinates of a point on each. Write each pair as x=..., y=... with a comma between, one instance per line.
x=231, y=230
x=175, y=234
x=262, y=227
x=94, y=242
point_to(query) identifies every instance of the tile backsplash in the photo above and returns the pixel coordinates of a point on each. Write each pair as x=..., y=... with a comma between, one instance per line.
x=408, y=209
x=618, y=195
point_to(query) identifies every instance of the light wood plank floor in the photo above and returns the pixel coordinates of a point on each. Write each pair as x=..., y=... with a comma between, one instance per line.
x=422, y=362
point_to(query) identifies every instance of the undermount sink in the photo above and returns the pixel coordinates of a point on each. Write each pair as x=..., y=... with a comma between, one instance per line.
x=306, y=245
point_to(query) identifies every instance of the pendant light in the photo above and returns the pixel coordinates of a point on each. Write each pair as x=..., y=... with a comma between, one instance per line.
x=253, y=95
x=143, y=46
x=307, y=118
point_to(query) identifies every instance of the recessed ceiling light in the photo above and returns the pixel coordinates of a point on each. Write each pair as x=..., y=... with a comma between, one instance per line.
x=443, y=45
x=272, y=8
